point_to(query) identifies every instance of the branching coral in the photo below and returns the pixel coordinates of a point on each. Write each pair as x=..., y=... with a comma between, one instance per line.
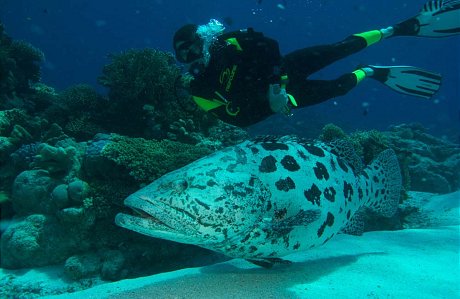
x=146, y=160
x=147, y=95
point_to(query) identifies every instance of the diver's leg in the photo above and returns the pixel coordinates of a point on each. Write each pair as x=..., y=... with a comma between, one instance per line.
x=302, y=63
x=311, y=92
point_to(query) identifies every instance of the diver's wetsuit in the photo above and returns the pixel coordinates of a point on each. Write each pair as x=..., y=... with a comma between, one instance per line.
x=234, y=85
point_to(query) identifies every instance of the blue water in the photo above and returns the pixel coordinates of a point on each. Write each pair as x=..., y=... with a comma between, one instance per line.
x=76, y=37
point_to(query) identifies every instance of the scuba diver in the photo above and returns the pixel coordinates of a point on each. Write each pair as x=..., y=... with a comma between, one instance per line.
x=242, y=78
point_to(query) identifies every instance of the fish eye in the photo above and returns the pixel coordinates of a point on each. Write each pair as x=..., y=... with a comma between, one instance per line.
x=179, y=185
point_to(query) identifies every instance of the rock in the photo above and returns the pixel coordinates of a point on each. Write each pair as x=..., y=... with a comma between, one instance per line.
x=82, y=266
x=31, y=192
x=36, y=241
x=78, y=190
x=77, y=216
x=60, y=197
x=112, y=267
x=6, y=148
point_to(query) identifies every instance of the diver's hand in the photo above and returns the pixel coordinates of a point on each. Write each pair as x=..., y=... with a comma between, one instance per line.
x=278, y=99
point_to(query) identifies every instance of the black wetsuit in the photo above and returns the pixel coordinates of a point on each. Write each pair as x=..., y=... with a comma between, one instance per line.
x=234, y=85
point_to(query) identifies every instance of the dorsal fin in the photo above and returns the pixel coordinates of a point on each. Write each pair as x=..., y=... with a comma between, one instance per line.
x=345, y=150
x=280, y=139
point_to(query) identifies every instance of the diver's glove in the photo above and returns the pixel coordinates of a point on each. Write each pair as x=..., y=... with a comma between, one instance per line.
x=278, y=99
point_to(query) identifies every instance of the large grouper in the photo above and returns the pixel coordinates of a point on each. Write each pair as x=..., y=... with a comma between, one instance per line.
x=265, y=198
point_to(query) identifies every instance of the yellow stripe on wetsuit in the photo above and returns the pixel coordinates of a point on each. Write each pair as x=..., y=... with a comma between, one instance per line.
x=360, y=75
x=371, y=37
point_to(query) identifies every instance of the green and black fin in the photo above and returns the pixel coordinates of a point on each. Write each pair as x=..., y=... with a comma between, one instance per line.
x=438, y=18
x=408, y=80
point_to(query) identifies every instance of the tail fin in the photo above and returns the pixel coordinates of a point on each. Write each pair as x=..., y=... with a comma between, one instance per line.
x=385, y=183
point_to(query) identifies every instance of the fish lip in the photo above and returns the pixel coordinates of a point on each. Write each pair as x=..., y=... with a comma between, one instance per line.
x=144, y=207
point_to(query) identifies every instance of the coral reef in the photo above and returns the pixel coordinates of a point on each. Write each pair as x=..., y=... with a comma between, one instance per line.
x=36, y=241
x=19, y=66
x=146, y=99
x=433, y=164
x=146, y=160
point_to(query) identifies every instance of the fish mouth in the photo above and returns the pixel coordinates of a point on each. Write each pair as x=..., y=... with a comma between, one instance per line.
x=154, y=218
x=140, y=213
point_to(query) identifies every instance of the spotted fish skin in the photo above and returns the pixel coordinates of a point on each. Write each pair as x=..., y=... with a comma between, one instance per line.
x=264, y=198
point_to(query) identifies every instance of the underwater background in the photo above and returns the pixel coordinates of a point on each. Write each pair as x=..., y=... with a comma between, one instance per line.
x=91, y=111
x=76, y=37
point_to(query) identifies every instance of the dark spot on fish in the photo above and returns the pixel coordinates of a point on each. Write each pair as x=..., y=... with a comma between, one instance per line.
x=273, y=146
x=314, y=150
x=252, y=249
x=382, y=191
x=347, y=190
x=204, y=205
x=296, y=246
x=251, y=181
x=229, y=188
x=360, y=193
x=321, y=171
x=254, y=150
x=329, y=222
x=302, y=218
x=280, y=214
x=376, y=193
x=286, y=240
x=302, y=155
x=220, y=210
x=313, y=195
x=289, y=163
x=365, y=175
x=212, y=173
x=327, y=240
x=268, y=164
x=225, y=231
x=348, y=215
x=246, y=238
x=195, y=209
x=220, y=198
x=329, y=194
x=198, y=187
x=231, y=167
x=332, y=163
x=285, y=184
x=342, y=165
x=376, y=179
x=211, y=183
x=269, y=205
x=330, y=219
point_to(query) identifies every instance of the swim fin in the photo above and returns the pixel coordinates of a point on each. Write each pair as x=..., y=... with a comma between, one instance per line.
x=438, y=18
x=408, y=80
